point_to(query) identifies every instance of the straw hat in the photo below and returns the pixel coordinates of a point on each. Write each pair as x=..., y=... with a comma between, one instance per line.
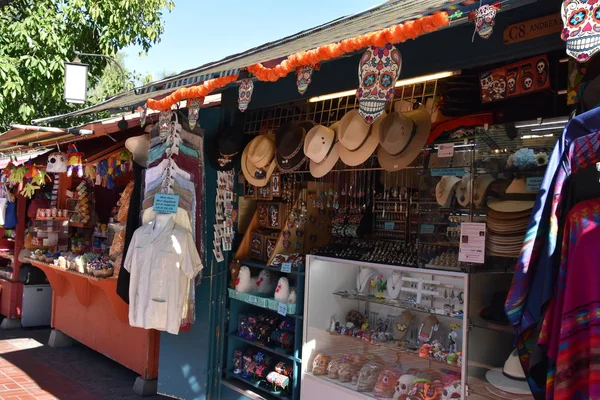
x=358, y=140
x=289, y=140
x=510, y=206
x=519, y=186
x=444, y=190
x=322, y=149
x=463, y=190
x=258, y=160
x=480, y=187
x=402, y=137
x=512, y=215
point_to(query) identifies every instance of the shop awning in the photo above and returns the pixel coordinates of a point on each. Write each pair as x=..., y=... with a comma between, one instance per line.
x=382, y=16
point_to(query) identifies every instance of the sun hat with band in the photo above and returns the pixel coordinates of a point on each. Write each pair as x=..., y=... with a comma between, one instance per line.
x=511, y=378
x=358, y=140
x=289, y=140
x=322, y=149
x=258, y=160
x=402, y=137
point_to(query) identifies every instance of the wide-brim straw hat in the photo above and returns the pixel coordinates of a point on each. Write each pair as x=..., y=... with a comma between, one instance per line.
x=358, y=140
x=258, y=160
x=444, y=190
x=322, y=149
x=510, y=206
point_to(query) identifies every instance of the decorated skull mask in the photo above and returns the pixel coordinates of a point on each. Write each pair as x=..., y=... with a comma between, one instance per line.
x=581, y=20
x=303, y=78
x=386, y=383
x=164, y=123
x=487, y=82
x=333, y=369
x=367, y=377
x=320, y=364
x=423, y=390
x=485, y=19
x=452, y=391
x=193, y=106
x=378, y=71
x=245, y=94
x=347, y=372
x=403, y=385
x=57, y=163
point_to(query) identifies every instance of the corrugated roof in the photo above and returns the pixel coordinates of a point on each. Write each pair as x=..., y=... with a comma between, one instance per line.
x=390, y=13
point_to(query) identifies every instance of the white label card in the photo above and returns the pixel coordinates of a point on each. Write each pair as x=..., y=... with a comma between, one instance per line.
x=282, y=309
x=252, y=299
x=445, y=150
x=472, y=242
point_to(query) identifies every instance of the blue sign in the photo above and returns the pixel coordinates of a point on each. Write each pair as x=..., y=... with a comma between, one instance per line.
x=166, y=203
x=427, y=229
x=389, y=226
x=282, y=309
x=533, y=184
x=286, y=267
x=447, y=171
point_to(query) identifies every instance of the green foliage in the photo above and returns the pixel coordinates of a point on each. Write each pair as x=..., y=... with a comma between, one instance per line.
x=38, y=36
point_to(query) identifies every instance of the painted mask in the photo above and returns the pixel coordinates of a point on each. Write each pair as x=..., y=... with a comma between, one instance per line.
x=403, y=385
x=581, y=20
x=164, y=123
x=245, y=94
x=303, y=78
x=377, y=72
x=423, y=390
x=347, y=372
x=57, y=163
x=193, y=106
x=386, y=383
x=367, y=377
x=320, y=364
x=452, y=391
x=485, y=19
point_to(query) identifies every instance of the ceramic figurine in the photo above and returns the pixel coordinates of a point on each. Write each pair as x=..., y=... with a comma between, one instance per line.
x=459, y=361
x=334, y=324
x=245, y=283
x=385, y=386
x=403, y=386
x=320, y=364
x=452, y=391
x=452, y=358
x=293, y=296
x=452, y=336
x=380, y=285
x=424, y=350
x=367, y=377
x=282, y=292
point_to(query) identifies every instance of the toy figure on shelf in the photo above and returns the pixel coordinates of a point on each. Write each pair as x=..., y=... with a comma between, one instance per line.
x=380, y=285
x=427, y=328
x=452, y=336
x=282, y=292
x=266, y=282
x=245, y=283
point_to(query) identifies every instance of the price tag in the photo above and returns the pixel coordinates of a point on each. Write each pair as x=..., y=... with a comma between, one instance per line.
x=445, y=150
x=252, y=299
x=166, y=203
x=389, y=226
x=286, y=267
x=426, y=229
x=534, y=183
x=447, y=171
x=282, y=309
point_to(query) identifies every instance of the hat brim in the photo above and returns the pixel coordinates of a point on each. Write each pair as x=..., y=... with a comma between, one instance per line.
x=497, y=379
x=508, y=215
x=248, y=169
x=446, y=198
x=392, y=163
x=352, y=158
x=510, y=205
x=321, y=169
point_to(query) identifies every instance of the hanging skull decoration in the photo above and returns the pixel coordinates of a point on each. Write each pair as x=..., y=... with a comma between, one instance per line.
x=164, y=123
x=527, y=81
x=541, y=70
x=57, y=163
x=581, y=20
x=193, y=106
x=303, y=78
x=485, y=20
x=378, y=71
x=245, y=94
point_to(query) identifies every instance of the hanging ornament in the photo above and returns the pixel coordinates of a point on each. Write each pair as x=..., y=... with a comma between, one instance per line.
x=74, y=160
x=485, y=19
x=193, y=106
x=304, y=77
x=245, y=94
x=143, y=115
x=57, y=162
x=581, y=20
x=164, y=123
x=378, y=71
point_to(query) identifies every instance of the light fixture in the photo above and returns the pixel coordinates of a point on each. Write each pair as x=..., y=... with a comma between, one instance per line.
x=540, y=123
x=548, y=128
x=400, y=83
x=76, y=76
x=537, y=136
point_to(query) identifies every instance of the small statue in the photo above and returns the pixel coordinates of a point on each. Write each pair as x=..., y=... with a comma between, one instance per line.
x=380, y=285
x=452, y=336
x=334, y=324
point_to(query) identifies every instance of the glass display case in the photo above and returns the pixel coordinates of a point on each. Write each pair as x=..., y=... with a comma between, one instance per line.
x=383, y=331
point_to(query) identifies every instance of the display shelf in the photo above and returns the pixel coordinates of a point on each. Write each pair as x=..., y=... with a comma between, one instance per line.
x=255, y=383
x=257, y=304
x=258, y=264
x=279, y=351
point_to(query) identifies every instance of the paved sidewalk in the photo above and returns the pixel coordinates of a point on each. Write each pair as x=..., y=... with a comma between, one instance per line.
x=30, y=370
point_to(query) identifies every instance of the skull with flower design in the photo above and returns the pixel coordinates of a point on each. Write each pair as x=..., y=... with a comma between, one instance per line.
x=303, y=78
x=581, y=20
x=378, y=71
x=245, y=94
x=193, y=106
x=485, y=19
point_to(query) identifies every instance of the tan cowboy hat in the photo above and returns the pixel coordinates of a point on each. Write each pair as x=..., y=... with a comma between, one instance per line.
x=444, y=190
x=258, y=160
x=519, y=186
x=510, y=206
x=358, y=140
x=402, y=137
x=480, y=187
x=322, y=149
x=463, y=190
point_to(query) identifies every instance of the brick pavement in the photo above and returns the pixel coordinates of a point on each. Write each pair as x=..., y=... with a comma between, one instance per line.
x=30, y=370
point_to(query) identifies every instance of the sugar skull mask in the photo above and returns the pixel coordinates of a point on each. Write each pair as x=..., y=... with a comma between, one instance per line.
x=164, y=123
x=485, y=20
x=423, y=390
x=57, y=163
x=581, y=20
x=303, y=78
x=377, y=72
x=245, y=94
x=333, y=369
x=386, y=383
x=193, y=106
x=403, y=385
x=367, y=377
x=346, y=372
x=452, y=391
x=320, y=364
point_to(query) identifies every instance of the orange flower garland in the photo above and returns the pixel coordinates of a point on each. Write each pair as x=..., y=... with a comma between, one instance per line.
x=394, y=34
x=190, y=92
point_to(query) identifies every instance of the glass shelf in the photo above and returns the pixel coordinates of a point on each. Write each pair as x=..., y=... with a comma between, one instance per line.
x=275, y=350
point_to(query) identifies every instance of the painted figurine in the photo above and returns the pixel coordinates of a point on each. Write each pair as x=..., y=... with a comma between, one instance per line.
x=452, y=336
x=380, y=285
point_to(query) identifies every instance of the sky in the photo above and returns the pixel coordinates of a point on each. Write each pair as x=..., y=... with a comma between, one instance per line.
x=198, y=33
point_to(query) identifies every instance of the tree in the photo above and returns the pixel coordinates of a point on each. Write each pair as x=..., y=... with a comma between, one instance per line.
x=38, y=36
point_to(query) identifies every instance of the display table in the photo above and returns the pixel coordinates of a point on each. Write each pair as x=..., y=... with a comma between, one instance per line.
x=89, y=310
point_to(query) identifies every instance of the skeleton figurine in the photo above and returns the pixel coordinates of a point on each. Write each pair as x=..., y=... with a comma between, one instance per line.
x=367, y=377
x=378, y=71
x=245, y=94
x=452, y=336
x=581, y=20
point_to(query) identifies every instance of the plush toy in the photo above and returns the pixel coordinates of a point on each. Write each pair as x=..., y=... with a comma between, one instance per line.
x=282, y=292
x=245, y=283
x=266, y=282
x=293, y=296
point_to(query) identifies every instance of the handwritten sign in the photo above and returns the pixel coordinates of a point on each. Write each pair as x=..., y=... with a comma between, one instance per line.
x=252, y=299
x=445, y=150
x=533, y=28
x=286, y=267
x=447, y=171
x=426, y=229
x=534, y=183
x=165, y=203
x=282, y=309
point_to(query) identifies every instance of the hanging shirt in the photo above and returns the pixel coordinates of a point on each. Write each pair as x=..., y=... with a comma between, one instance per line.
x=161, y=263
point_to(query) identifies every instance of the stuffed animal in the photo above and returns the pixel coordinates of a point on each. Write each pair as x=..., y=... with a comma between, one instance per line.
x=282, y=292
x=234, y=269
x=245, y=283
x=292, y=297
x=266, y=282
